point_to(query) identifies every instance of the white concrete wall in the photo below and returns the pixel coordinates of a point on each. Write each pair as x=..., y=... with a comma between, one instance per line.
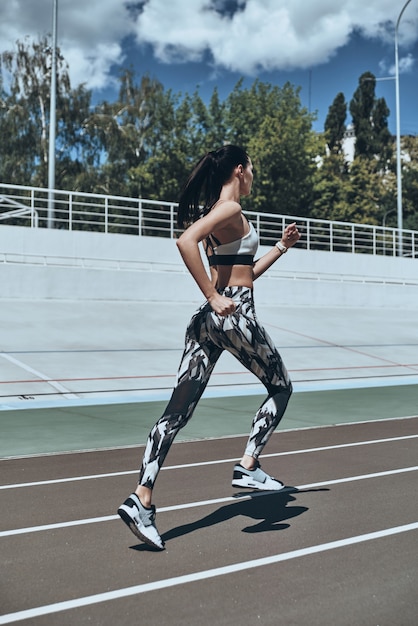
x=53, y=264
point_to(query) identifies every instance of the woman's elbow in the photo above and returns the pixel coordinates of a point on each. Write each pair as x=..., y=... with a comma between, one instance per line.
x=185, y=242
x=180, y=242
x=185, y=246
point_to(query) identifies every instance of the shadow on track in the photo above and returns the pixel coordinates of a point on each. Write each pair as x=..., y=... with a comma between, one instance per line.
x=269, y=509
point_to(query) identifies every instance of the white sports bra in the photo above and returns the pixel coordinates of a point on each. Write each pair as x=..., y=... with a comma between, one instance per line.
x=238, y=252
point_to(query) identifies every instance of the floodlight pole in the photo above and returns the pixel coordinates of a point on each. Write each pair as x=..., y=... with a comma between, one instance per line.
x=52, y=119
x=398, y=137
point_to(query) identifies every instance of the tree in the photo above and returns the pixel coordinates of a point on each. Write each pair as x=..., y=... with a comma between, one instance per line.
x=217, y=131
x=24, y=120
x=125, y=124
x=335, y=123
x=163, y=173
x=364, y=194
x=383, y=143
x=370, y=120
x=361, y=109
x=410, y=183
x=330, y=187
x=144, y=143
x=271, y=124
x=125, y=131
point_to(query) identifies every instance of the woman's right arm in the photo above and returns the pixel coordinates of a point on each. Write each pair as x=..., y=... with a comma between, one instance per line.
x=188, y=245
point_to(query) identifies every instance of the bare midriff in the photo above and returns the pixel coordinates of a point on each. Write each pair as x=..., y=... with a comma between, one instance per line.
x=234, y=276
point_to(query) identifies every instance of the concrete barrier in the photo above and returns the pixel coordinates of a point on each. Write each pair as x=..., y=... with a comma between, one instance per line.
x=55, y=264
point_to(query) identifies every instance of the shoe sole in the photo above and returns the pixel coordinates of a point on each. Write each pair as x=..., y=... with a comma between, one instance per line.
x=135, y=530
x=249, y=484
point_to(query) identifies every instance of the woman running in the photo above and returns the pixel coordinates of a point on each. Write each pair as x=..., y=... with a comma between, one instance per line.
x=210, y=210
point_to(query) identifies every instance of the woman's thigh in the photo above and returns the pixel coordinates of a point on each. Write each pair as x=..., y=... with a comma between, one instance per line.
x=243, y=336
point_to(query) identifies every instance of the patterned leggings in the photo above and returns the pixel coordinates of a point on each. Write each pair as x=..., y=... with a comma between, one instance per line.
x=207, y=336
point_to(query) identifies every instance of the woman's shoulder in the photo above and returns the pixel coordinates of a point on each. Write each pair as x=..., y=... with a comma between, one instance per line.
x=230, y=206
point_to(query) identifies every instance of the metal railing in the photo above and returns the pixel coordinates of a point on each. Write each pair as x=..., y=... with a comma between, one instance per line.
x=77, y=211
x=17, y=211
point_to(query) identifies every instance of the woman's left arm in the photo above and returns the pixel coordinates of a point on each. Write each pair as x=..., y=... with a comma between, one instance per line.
x=291, y=235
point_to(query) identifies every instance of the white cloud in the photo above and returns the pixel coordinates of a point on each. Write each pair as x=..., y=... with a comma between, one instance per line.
x=406, y=65
x=90, y=33
x=92, y=67
x=262, y=34
x=267, y=34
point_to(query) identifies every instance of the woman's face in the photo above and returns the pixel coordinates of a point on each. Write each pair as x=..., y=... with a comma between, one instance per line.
x=247, y=179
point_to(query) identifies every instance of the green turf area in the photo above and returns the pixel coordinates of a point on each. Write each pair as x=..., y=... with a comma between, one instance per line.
x=47, y=430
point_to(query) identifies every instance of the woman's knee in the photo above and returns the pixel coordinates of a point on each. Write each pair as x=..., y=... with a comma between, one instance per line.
x=285, y=389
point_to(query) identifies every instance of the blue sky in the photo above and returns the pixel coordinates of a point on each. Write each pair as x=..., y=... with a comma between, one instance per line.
x=318, y=84
x=323, y=46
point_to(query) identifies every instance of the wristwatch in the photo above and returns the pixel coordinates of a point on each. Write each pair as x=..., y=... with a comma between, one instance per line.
x=281, y=247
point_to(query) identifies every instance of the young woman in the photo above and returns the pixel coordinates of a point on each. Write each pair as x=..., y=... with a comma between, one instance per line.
x=226, y=321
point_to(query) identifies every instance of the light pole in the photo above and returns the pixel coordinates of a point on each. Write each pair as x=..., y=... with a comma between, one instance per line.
x=398, y=137
x=52, y=119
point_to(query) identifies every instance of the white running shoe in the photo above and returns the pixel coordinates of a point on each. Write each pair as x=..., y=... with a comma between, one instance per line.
x=255, y=479
x=141, y=521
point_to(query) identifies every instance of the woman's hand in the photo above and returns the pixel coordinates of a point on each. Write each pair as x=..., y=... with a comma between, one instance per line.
x=221, y=305
x=291, y=235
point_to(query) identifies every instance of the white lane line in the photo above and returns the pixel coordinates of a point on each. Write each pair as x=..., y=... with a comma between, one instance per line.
x=190, y=505
x=57, y=481
x=203, y=463
x=205, y=575
x=67, y=394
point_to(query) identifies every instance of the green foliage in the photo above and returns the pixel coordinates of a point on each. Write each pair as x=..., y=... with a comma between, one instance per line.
x=335, y=123
x=362, y=195
x=331, y=182
x=382, y=137
x=410, y=183
x=355, y=192
x=145, y=142
x=24, y=117
x=370, y=120
x=361, y=108
x=271, y=124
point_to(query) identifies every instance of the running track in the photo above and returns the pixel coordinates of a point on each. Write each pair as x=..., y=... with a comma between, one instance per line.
x=338, y=547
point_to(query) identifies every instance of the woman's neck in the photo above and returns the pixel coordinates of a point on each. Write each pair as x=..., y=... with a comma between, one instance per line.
x=230, y=191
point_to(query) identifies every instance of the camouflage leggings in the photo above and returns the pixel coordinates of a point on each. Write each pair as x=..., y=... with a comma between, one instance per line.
x=207, y=336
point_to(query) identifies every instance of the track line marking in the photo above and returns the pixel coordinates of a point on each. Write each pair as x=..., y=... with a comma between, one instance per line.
x=204, y=463
x=56, y=385
x=172, y=376
x=348, y=348
x=190, y=505
x=199, y=576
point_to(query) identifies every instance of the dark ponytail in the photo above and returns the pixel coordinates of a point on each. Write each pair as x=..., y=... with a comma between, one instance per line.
x=204, y=184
